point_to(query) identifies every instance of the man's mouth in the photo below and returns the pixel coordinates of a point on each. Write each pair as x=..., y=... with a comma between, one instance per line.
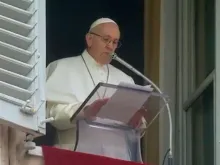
x=108, y=53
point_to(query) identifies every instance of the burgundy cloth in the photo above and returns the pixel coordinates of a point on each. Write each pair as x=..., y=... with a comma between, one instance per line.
x=55, y=156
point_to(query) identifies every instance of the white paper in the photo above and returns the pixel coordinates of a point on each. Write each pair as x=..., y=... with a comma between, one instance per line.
x=124, y=103
x=146, y=88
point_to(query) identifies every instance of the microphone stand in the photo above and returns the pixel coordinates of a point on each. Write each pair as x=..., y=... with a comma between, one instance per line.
x=170, y=154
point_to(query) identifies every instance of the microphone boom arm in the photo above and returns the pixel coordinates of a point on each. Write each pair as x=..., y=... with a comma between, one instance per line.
x=116, y=58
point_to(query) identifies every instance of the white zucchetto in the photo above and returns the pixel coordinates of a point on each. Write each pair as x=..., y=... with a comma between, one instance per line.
x=101, y=21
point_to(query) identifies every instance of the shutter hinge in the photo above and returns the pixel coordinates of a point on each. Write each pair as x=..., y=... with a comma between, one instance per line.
x=48, y=120
x=29, y=145
x=28, y=109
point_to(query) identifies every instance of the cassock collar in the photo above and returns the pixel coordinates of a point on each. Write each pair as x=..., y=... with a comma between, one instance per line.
x=90, y=60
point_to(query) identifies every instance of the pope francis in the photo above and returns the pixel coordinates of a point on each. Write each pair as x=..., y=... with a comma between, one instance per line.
x=70, y=80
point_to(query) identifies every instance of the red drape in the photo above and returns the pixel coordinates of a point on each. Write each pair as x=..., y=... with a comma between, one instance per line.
x=55, y=156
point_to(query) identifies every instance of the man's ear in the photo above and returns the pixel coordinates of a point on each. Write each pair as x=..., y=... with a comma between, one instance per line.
x=89, y=39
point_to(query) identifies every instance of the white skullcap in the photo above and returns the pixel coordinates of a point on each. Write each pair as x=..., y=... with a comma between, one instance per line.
x=101, y=21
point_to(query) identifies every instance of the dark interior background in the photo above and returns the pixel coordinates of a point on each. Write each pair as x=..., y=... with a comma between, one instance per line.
x=68, y=21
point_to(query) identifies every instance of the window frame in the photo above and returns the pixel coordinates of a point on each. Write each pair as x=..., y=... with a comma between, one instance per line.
x=217, y=85
x=185, y=56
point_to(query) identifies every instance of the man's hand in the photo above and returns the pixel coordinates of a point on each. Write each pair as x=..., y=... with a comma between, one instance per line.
x=91, y=111
x=136, y=120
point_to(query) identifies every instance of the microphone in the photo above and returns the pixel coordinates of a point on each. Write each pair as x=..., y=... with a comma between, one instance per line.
x=127, y=65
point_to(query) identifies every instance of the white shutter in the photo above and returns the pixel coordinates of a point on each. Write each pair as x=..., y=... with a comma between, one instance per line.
x=22, y=64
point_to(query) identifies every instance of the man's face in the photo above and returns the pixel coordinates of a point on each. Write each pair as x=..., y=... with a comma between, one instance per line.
x=102, y=41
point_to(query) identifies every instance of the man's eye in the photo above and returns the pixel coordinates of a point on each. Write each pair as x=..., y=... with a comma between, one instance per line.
x=106, y=39
x=115, y=42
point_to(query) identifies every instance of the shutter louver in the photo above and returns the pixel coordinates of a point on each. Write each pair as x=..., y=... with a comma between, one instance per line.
x=22, y=64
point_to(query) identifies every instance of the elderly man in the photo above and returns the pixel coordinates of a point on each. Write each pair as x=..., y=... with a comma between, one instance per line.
x=71, y=80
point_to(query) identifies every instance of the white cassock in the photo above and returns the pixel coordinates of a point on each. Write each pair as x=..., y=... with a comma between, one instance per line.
x=68, y=85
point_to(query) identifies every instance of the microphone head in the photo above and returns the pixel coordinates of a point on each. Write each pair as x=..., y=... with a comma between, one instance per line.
x=113, y=55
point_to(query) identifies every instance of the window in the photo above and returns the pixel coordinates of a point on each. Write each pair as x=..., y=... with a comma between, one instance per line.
x=203, y=108
x=202, y=128
x=196, y=57
x=204, y=15
x=196, y=99
x=22, y=64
